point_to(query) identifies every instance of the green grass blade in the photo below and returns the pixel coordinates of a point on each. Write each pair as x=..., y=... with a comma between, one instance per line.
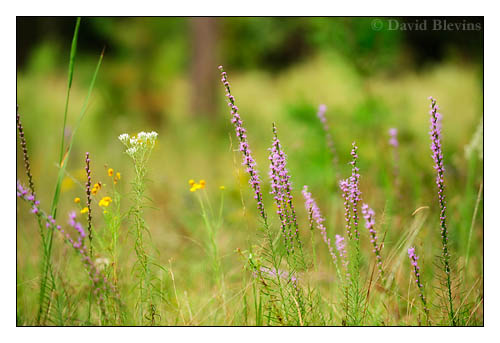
x=71, y=69
x=64, y=162
x=478, y=200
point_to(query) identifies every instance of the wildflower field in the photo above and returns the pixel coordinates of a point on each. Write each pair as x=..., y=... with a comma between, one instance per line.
x=169, y=181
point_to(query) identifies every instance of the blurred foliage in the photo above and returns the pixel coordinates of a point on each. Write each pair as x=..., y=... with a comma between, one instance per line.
x=270, y=43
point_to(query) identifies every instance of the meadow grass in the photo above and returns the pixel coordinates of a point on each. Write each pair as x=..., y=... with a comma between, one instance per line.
x=257, y=261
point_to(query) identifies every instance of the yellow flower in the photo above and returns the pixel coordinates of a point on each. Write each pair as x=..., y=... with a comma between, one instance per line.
x=222, y=188
x=77, y=200
x=84, y=210
x=96, y=188
x=191, y=182
x=202, y=183
x=105, y=202
x=110, y=172
x=67, y=184
x=195, y=187
x=118, y=175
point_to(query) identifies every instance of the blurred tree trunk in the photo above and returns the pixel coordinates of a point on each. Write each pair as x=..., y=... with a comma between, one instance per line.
x=203, y=66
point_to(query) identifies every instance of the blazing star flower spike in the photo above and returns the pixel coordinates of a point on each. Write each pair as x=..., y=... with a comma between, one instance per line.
x=281, y=189
x=313, y=208
x=352, y=196
x=369, y=216
x=437, y=156
x=248, y=160
x=416, y=270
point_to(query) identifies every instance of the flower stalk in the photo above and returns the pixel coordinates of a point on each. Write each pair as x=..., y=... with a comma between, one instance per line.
x=437, y=156
x=416, y=270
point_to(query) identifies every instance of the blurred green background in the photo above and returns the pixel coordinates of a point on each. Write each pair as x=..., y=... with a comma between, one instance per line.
x=161, y=74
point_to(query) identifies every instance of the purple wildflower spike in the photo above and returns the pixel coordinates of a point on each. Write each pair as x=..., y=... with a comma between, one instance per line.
x=352, y=196
x=416, y=270
x=281, y=188
x=369, y=215
x=344, y=186
x=315, y=212
x=248, y=160
x=355, y=193
x=25, y=150
x=89, y=213
x=437, y=156
x=341, y=248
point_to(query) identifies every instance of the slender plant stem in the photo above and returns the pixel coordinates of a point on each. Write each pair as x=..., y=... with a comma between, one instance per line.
x=478, y=200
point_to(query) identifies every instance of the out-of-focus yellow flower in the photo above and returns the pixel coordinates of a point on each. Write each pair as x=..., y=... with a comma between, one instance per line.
x=96, y=188
x=84, y=210
x=104, y=202
x=67, y=184
x=222, y=188
x=195, y=187
x=191, y=182
x=202, y=183
x=118, y=176
x=77, y=200
x=110, y=172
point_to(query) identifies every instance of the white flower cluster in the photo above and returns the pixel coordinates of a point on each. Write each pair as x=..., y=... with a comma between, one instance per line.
x=143, y=142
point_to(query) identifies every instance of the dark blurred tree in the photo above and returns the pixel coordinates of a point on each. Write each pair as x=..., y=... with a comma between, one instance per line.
x=203, y=65
x=269, y=43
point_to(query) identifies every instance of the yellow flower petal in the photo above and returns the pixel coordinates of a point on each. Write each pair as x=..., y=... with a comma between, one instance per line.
x=110, y=172
x=104, y=202
x=84, y=210
x=77, y=200
x=191, y=182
